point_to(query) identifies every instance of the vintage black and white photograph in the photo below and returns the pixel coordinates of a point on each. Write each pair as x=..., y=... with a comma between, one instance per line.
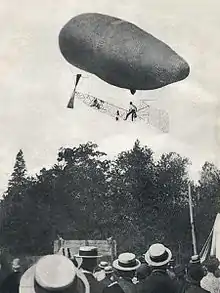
x=110, y=146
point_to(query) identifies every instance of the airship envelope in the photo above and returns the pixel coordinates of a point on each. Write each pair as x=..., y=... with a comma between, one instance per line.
x=120, y=53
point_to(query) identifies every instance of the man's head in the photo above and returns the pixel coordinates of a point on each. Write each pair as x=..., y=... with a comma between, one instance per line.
x=16, y=267
x=54, y=273
x=89, y=256
x=158, y=256
x=143, y=271
x=89, y=264
x=195, y=272
x=108, y=271
x=131, y=103
x=126, y=264
x=212, y=264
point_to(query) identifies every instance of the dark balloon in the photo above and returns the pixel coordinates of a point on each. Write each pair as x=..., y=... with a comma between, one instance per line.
x=120, y=53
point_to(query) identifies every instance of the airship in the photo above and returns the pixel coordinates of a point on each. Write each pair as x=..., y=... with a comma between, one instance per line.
x=120, y=53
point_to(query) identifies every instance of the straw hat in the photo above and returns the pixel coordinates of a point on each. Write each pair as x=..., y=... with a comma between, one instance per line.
x=53, y=273
x=158, y=255
x=88, y=252
x=103, y=264
x=126, y=262
x=195, y=259
x=108, y=270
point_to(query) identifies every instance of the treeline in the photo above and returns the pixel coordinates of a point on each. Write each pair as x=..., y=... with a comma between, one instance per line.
x=133, y=198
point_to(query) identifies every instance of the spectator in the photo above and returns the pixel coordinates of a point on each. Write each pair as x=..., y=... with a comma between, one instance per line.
x=126, y=265
x=11, y=283
x=210, y=282
x=195, y=273
x=54, y=273
x=158, y=257
x=89, y=256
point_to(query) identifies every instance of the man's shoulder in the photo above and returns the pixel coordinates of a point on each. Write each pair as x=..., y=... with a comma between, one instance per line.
x=204, y=290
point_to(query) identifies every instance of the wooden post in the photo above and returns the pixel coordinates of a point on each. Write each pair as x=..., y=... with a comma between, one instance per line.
x=192, y=222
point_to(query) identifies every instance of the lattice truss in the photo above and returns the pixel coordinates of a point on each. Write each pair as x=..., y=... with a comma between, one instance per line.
x=157, y=118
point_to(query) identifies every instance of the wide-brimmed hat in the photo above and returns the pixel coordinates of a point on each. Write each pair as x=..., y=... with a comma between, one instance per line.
x=158, y=255
x=126, y=262
x=53, y=273
x=108, y=270
x=103, y=264
x=88, y=252
x=16, y=264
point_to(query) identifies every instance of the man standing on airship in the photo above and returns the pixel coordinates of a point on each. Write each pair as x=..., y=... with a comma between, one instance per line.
x=132, y=111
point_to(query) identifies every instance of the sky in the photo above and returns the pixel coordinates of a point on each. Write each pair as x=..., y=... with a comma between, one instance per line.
x=36, y=83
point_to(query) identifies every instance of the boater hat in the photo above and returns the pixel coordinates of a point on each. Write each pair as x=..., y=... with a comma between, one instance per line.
x=195, y=259
x=88, y=252
x=109, y=270
x=158, y=255
x=126, y=262
x=103, y=264
x=54, y=273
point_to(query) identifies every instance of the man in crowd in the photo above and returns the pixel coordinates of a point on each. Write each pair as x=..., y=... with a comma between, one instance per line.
x=109, y=278
x=100, y=271
x=195, y=273
x=126, y=265
x=158, y=257
x=89, y=256
x=54, y=273
x=11, y=283
x=210, y=282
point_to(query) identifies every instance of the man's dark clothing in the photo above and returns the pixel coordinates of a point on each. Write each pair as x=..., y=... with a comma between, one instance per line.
x=159, y=282
x=132, y=113
x=11, y=283
x=193, y=287
x=127, y=285
x=113, y=287
x=95, y=286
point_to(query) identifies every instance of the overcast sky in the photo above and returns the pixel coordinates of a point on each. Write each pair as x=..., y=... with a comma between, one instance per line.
x=36, y=82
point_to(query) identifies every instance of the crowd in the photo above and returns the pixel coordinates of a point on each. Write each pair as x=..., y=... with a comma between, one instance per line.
x=84, y=272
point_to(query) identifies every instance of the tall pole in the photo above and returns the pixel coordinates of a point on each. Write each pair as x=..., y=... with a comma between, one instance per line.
x=192, y=222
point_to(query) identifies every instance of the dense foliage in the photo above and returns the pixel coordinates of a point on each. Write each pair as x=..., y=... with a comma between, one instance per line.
x=133, y=198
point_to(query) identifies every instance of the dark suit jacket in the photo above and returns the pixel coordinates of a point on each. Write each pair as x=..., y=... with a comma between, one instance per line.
x=11, y=283
x=113, y=288
x=159, y=282
x=95, y=286
x=193, y=287
x=127, y=285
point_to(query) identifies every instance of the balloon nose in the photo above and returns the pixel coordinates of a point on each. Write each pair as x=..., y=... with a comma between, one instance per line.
x=184, y=73
x=181, y=71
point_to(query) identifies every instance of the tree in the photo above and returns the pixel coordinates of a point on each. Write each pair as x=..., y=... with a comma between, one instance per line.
x=132, y=196
x=18, y=176
x=83, y=195
x=207, y=201
x=13, y=202
x=172, y=195
x=84, y=186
